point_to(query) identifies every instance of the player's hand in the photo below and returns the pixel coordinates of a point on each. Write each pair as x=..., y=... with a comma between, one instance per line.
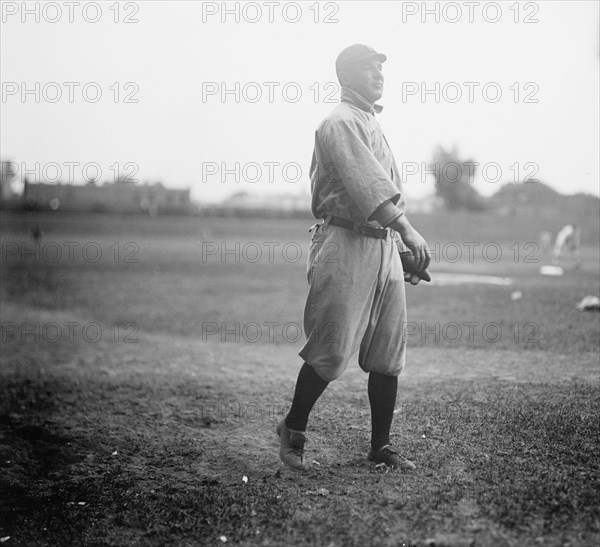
x=416, y=243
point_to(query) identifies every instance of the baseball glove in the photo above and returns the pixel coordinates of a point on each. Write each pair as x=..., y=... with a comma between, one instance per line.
x=408, y=264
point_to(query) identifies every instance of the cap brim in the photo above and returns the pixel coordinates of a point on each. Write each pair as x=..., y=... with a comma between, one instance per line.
x=367, y=56
x=379, y=57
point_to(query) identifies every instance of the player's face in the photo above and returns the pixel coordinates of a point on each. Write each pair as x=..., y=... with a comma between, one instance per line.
x=366, y=79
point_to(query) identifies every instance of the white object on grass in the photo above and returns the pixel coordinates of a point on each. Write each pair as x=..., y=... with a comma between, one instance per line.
x=443, y=278
x=556, y=271
x=589, y=303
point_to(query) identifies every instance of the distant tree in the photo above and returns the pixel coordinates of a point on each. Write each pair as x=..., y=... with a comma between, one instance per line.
x=454, y=181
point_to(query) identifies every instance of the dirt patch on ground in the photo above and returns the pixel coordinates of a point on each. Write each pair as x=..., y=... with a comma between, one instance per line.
x=152, y=443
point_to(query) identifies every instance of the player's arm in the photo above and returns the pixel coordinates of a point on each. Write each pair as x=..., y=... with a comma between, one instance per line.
x=368, y=184
x=390, y=216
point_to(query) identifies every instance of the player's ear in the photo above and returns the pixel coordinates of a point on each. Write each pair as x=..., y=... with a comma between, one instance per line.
x=343, y=78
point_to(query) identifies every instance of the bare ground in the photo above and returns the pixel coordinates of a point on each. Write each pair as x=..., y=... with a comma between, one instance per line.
x=148, y=443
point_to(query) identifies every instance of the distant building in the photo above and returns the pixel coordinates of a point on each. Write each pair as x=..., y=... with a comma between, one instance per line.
x=120, y=197
x=7, y=175
x=267, y=205
x=282, y=202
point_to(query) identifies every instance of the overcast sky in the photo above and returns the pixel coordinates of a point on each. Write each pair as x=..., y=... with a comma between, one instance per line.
x=179, y=57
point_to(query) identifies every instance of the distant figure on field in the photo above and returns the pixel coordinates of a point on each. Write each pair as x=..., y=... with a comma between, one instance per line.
x=36, y=233
x=545, y=240
x=568, y=239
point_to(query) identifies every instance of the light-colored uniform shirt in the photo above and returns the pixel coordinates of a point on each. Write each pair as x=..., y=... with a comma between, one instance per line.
x=353, y=171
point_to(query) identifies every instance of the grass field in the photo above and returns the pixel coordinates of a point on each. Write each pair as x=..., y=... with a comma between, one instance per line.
x=145, y=363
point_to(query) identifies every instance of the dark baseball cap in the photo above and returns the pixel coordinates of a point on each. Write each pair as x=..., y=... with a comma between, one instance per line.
x=356, y=53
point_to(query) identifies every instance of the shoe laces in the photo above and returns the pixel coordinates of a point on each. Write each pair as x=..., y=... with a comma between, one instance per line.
x=388, y=449
x=305, y=441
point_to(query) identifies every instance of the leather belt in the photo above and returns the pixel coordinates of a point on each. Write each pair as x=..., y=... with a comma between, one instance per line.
x=358, y=227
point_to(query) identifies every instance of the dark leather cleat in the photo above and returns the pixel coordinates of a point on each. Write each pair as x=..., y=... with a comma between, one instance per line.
x=291, y=447
x=391, y=457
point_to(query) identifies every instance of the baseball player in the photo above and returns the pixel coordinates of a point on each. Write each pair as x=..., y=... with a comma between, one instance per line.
x=568, y=239
x=356, y=299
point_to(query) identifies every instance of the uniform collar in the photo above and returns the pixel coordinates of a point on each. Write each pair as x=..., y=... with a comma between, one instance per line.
x=353, y=97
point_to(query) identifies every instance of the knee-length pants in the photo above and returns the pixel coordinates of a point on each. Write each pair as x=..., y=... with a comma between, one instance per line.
x=356, y=302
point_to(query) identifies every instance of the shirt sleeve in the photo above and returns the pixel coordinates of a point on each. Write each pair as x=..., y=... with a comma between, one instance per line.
x=362, y=175
x=386, y=213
